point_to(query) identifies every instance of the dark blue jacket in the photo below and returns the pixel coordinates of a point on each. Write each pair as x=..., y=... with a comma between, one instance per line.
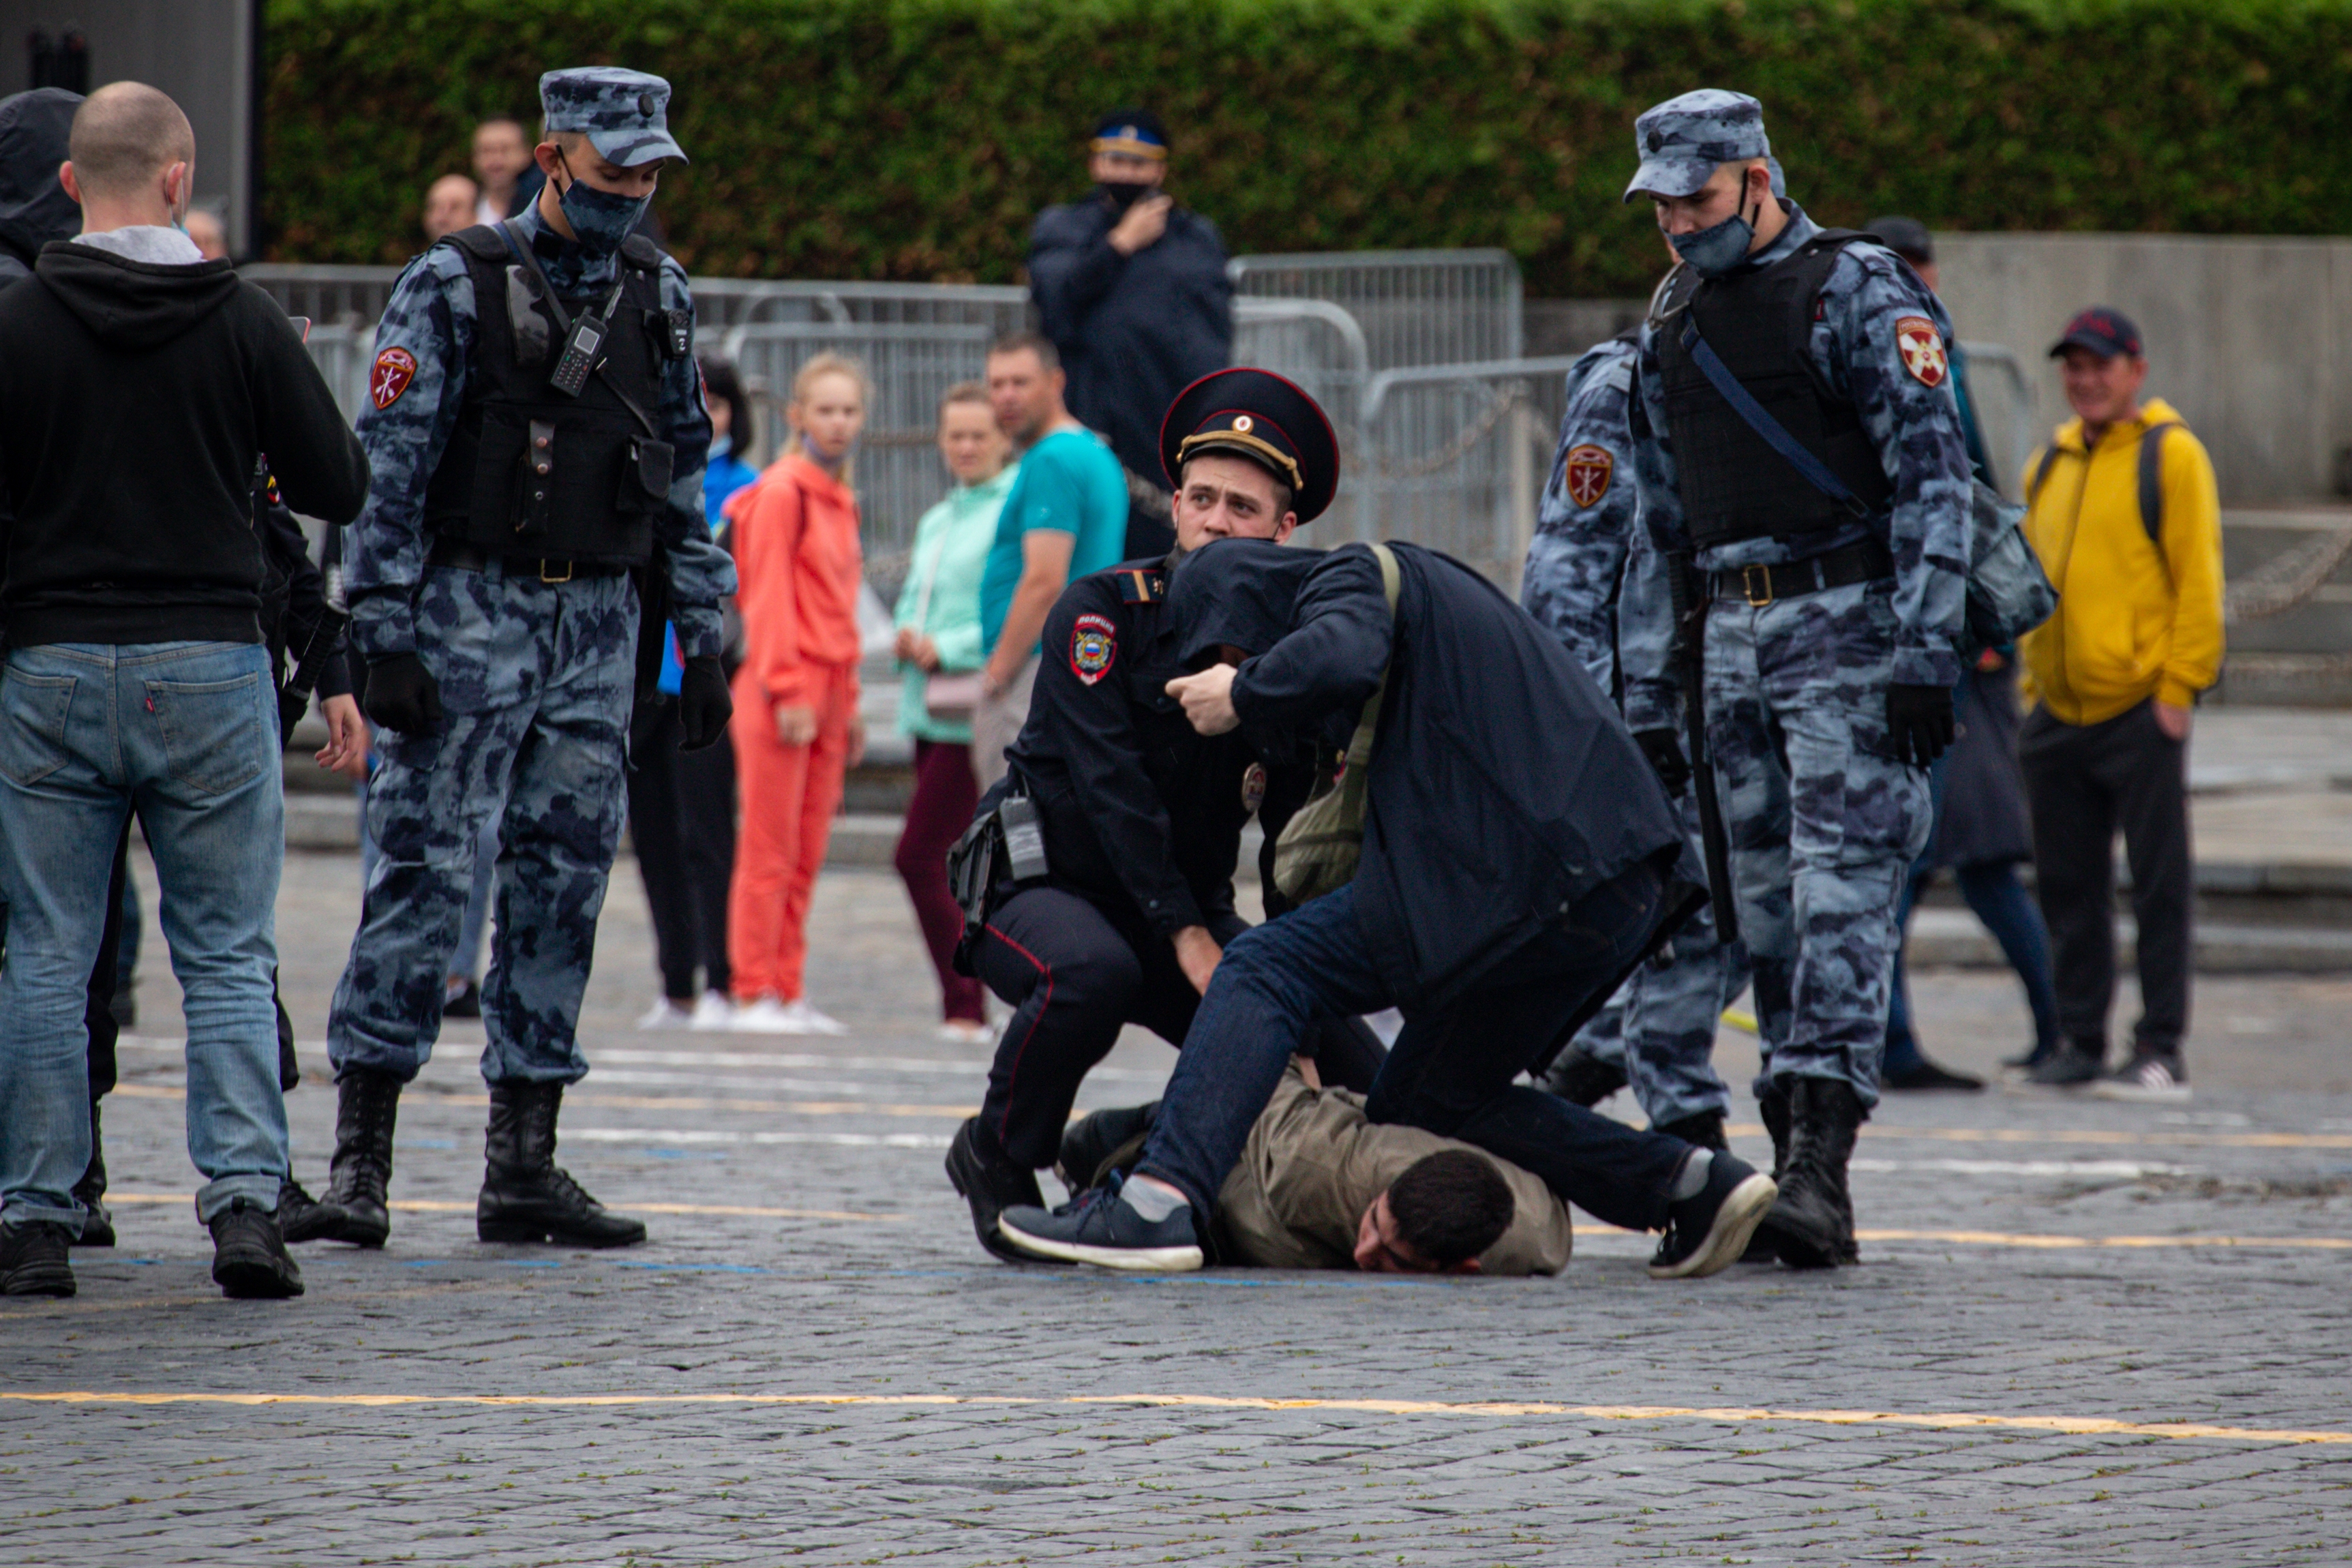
x=1503, y=784
x=1133, y=330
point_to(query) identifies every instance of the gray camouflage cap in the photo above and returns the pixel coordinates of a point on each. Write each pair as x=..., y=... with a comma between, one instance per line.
x=1683, y=140
x=624, y=113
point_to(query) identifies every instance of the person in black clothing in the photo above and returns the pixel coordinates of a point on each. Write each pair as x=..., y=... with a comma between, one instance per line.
x=1132, y=290
x=1518, y=857
x=145, y=384
x=1141, y=816
x=34, y=208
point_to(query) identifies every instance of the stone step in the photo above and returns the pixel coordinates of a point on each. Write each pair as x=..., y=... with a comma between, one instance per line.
x=1942, y=938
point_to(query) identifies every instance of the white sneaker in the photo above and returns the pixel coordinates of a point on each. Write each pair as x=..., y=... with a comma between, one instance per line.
x=714, y=1011
x=811, y=1021
x=765, y=1016
x=965, y=1032
x=664, y=1014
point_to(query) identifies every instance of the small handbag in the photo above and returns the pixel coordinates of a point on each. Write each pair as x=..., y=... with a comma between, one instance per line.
x=948, y=698
x=1323, y=842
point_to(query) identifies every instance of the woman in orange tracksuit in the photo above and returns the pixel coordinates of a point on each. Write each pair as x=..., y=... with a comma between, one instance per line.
x=796, y=730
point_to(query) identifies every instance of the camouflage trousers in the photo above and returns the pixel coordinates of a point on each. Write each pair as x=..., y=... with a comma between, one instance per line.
x=1660, y=1025
x=536, y=685
x=1823, y=821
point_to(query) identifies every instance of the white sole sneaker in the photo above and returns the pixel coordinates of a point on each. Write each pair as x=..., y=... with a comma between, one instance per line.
x=1743, y=1209
x=1126, y=1259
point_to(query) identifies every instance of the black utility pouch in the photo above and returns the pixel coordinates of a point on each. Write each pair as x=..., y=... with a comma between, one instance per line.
x=644, y=481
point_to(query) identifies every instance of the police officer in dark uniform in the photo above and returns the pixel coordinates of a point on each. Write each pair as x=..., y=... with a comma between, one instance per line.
x=1140, y=817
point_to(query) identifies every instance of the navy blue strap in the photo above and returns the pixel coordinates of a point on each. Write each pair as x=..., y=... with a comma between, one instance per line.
x=1775, y=433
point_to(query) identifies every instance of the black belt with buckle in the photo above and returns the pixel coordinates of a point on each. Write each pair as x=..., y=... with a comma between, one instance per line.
x=459, y=556
x=1756, y=586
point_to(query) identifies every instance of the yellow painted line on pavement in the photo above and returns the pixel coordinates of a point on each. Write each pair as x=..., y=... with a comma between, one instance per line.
x=422, y=1206
x=2011, y=1239
x=662, y=1102
x=2141, y=1137
x=1948, y=1421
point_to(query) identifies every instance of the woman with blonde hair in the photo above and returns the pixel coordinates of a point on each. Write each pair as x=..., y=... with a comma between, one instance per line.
x=796, y=730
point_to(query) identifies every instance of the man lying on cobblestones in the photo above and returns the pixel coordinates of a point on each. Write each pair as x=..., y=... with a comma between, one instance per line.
x=1321, y=1185
x=1140, y=817
x=1518, y=859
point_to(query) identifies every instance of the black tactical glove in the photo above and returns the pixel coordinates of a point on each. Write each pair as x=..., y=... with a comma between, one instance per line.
x=703, y=705
x=403, y=695
x=1919, y=722
x=1665, y=755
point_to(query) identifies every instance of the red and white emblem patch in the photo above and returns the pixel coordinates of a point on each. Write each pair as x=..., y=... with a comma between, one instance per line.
x=394, y=369
x=1588, y=474
x=1094, y=644
x=1922, y=350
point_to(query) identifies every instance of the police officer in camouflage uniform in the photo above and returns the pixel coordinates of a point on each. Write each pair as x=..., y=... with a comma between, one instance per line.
x=1658, y=1031
x=537, y=431
x=1826, y=532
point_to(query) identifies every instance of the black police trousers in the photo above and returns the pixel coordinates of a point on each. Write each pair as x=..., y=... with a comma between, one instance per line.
x=1075, y=978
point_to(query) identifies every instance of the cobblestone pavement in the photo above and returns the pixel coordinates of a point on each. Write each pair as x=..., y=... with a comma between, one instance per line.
x=2084, y=1332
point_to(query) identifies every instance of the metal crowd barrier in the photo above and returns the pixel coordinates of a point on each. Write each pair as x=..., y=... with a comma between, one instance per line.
x=1415, y=306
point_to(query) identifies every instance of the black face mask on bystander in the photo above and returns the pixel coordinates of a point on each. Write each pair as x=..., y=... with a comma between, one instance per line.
x=1123, y=194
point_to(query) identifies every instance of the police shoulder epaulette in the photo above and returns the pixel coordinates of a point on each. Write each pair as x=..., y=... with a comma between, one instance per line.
x=1137, y=585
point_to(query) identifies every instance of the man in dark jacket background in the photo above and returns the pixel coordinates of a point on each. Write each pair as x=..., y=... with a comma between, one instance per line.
x=146, y=383
x=1519, y=858
x=34, y=208
x=1132, y=290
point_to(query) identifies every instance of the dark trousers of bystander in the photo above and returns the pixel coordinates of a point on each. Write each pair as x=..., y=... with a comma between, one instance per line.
x=682, y=822
x=945, y=794
x=2084, y=782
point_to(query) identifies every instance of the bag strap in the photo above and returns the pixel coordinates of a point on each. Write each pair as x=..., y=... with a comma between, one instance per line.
x=1759, y=419
x=2151, y=481
x=2042, y=473
x=1360, y=744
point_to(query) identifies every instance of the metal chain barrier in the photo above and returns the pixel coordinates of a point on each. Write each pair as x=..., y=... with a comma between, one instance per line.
x=1500, y=402
x=2287, y=579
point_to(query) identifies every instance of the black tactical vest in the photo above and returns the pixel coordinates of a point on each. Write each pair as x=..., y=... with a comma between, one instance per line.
x=1760, y=324
x=529, y=471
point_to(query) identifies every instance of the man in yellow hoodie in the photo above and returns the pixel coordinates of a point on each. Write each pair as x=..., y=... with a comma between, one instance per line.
x=2125, y=518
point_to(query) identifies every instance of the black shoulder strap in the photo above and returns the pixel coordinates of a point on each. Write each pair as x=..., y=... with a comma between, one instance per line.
x=2151, y=480
x=2042, y=473
x=482, y=239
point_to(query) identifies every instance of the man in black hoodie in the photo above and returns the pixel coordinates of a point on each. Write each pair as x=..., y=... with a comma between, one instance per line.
x=143, y=386
x=34, y=208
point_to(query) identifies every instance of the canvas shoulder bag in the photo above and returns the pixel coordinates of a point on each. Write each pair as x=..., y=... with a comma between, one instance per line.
x=1322, y=845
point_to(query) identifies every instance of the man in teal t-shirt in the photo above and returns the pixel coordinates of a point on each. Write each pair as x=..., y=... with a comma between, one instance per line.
x=1066, y=517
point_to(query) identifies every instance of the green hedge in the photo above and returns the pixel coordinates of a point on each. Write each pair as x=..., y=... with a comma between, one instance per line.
x=915, y=139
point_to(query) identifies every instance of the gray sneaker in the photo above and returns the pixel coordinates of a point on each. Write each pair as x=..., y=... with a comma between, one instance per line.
x=2150, y=1078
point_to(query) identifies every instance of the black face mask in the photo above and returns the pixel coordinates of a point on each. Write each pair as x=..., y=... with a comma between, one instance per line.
x=1124, y=194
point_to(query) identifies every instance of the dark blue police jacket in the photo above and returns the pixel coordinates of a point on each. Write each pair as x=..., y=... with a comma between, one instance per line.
x=1504, y=784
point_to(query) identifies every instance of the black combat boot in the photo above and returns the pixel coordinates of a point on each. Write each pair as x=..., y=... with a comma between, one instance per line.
x=1582, y=1079
x=367, y=1104
x=1101, y=1142
x=250, y=1258
x=991, y=1180
x=98, y=1220
x=1764, y=1247
x=526, y=1196
x=301, y=1217
x=1704, y=1128
x=1814, y=1217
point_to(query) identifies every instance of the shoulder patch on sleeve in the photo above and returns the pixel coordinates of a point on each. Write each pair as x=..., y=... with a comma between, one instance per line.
x=1922, y=350
x=1587, y=474
x=395, y=368
x=1094, y=645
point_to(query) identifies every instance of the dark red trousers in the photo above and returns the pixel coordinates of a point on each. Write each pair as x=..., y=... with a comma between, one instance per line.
x=945, y=794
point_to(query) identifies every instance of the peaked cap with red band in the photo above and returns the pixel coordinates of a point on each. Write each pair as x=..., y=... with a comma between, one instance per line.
x=1257, y=415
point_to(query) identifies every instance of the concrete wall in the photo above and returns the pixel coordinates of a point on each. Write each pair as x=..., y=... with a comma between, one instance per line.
x=2247, y=337
x=199, y=51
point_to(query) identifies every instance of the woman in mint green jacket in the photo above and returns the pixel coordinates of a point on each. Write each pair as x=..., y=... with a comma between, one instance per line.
x=938, y=653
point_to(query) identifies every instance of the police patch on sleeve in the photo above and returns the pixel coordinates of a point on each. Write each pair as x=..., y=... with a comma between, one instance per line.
x=394, y=369
x=1094, y=644
x=1922, y=350
x=1253, y=787
x=1588, y=474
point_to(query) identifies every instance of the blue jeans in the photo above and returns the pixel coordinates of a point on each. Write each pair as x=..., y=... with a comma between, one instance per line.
x=2001, y=902
x=1450, y=1073
x=185, y=734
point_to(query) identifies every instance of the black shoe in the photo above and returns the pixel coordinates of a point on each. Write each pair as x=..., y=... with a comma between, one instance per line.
x=301, y=1217
x=1704, y=1128
x=2026, y=1061
x=2074, y=1066
x=1101, y=1141
x=1582, y=1079
x=1813, y=1218
x=367, y=1107
x=125, y=1004
x=2150, y=1078
x=526, y=1196
x=1928, y=1075
x=1764, y=1247
x=97, y=1220
x=465, y=1003
x=32, y=1260
x=991, y=1180
x=250, y=1258
x=1103, y=1230
x=1709, y=1231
